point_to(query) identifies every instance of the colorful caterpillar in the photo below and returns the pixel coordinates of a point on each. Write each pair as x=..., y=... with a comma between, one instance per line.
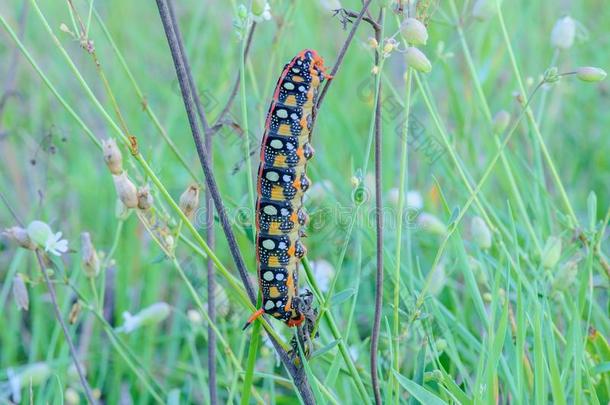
x=285, y=150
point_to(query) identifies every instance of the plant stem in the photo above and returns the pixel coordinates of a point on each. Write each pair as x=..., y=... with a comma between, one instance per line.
x=79, y=368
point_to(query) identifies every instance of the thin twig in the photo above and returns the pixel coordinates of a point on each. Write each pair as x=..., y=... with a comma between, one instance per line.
x=171, y=30
x=378, y=221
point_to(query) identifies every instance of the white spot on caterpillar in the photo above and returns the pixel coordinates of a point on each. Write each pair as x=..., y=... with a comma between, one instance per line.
x=294, y=116
x=296, y=70
x=289, y=86
x=282, y=245
x=286, y=178
x=269, y=244
x=289, y=146
x=278, y=304
x=270, y=210
x=269, y=304
x=279, y=276
x=284, y=212
x=268, y=275
x=301, y=88
x=272, y=176
x=281, y=113
x=276, y=144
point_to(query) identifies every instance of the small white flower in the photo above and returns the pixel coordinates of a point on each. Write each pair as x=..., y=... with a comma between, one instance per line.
x=55, y=244
x=41, y=234
x=415, y=200
x=563, y=33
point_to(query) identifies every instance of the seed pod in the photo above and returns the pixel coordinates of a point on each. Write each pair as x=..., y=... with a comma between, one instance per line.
x=591, y=74
x=480, y=233
x=145, y=199
x=551, y=252
x=90, y=260
x=189, y=200
x=20, y=236
x=126, y=190
x=432, y=224
x=500, y=122
x=373, y=43
x=417, y=60
x=563, y=33
x=112, y=156
x=20, y=293
x=414, y=31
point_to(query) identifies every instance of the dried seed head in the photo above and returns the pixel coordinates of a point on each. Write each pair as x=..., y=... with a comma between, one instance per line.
x=74, y=312
x=145, y=199
x=551, y=75
x=389, y=46
x=591, y=74
x=189, y=200
x=501, y=121
x=20, y=236
x=551, y=252
x=126, y=190
x=91, y=262
x=20, y=293
x=414, y=31
x=480, y=233
x=417, y=60
x=112, y=156
x=563, y=33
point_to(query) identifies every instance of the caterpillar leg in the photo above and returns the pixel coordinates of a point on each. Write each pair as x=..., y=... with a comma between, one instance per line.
x=253, y=318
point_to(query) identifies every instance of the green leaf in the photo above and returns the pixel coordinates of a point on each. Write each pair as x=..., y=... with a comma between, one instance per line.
x=420, y=393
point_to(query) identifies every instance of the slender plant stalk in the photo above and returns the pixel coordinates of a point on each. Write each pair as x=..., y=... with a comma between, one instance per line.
x=401, y=204
x=77, y=365
x=378, y=216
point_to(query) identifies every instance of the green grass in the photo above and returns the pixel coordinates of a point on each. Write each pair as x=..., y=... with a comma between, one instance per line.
x=461, y=323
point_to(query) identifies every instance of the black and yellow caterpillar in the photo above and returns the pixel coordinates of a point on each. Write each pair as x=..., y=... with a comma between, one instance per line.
x=285, y=150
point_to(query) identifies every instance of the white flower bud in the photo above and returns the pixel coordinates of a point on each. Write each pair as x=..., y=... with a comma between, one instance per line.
x=590, y=74
x=432, y=224
x=145, y=199
x=500, y=122
x=414, y=31
x=20, y=293
x=71, y=396
x=372, y=42
x=551, y=252
x=90, y=260
x=126, y=190
x=480, y=233
x=20, y=236
x=330, y=5
x=152, y=315
x=563, y=33
x=194, y=317
x=261, y=10
x=112, y=156
x=417, y=60
x=34, y=374
x=323, y=272
x=39, y=232
x=483, y=9
x=189, y=200
x=415, y=200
